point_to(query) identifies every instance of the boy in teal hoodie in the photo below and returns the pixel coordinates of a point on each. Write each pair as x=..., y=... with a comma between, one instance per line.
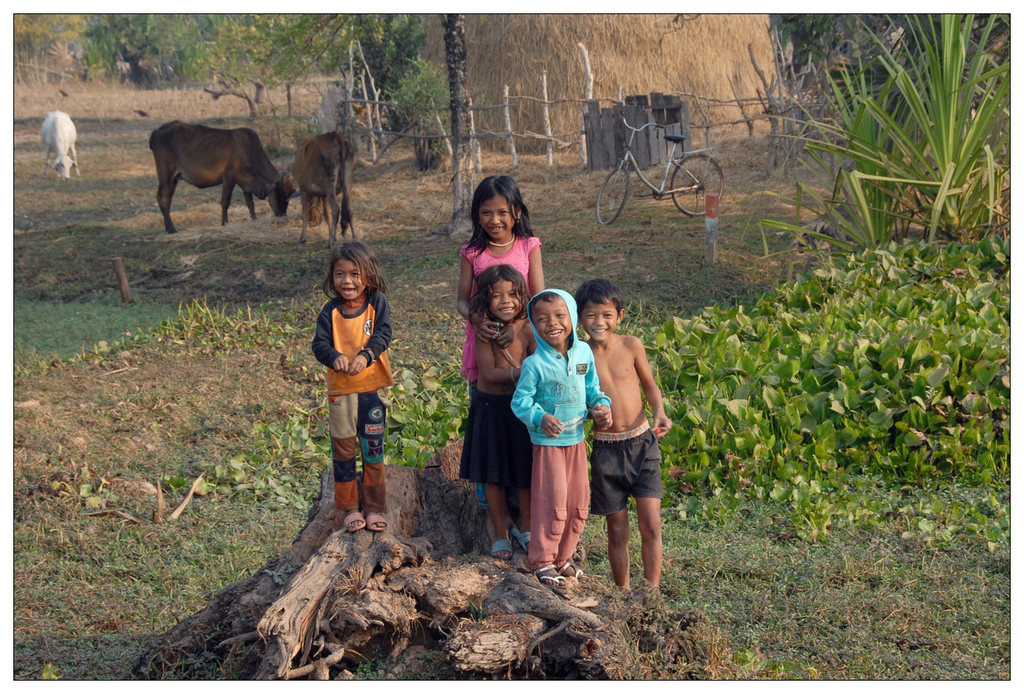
x=558, y=386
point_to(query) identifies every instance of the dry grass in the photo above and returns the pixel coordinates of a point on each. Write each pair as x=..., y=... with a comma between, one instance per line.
x=705, y=54
x=95, y=100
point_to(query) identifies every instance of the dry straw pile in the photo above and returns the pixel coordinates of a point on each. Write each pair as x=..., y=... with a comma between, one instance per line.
x=702, y=54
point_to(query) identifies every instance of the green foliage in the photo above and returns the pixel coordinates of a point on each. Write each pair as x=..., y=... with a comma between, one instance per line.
x=813, y=37
x=423, y=89
x=894, y=364
x=926, y=149
x=171, y=47
x=421, y=107
x=429, y=407
x=282, y=468
x=35, y=34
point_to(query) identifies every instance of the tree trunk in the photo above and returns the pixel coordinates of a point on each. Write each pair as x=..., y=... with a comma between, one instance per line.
x=423, y=594
x=462, y=163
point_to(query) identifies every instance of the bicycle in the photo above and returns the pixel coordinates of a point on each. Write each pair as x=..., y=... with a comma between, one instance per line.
x=696, y=173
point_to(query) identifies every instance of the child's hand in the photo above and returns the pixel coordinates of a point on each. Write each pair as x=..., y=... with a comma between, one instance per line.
x=502, y=337
x=484, y=328
x=661, y=425
x=551, y=426
x=602, y=415
x=340, y=364
x=357, y=365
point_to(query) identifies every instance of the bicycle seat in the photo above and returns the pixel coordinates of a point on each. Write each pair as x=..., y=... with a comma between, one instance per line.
x=675, y=138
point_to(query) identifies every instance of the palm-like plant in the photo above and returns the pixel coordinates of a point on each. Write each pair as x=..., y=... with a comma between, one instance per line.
x=925, y=149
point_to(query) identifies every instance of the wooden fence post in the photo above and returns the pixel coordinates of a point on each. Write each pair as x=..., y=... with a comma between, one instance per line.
x=369, y=116
x=508, y=127
x=544, y=112
x=122, y=278
x=444, y=135
x=588, y=94
x=596, y=160
x=711, y=228
x=473, y=139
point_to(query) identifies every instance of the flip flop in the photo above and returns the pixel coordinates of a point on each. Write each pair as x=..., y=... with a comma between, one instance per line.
x=501, y=549
x=523, y=538
x=549, y=576
x=354, y=521
x=376, y=522
x=570, y=570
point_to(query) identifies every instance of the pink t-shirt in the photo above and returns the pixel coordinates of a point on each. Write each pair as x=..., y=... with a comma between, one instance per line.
x=519, y=258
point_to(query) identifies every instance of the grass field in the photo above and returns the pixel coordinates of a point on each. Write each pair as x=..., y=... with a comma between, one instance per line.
x=106, y=403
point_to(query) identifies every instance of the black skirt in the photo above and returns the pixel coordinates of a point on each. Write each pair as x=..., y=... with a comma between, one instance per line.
x=497, y=448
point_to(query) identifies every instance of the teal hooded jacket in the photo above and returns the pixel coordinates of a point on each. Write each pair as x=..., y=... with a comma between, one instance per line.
x=566, y=387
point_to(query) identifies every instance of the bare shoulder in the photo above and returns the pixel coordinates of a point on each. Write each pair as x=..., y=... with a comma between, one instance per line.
x=630, y=343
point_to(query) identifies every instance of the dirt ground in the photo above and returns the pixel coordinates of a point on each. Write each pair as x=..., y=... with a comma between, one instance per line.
x=118, y=183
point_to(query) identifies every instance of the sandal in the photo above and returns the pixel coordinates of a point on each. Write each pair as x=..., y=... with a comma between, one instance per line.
x=501, y=550
x=570, y=570
x=354, y=521
x=549, y=576
x=376, y=522
x=520, y=536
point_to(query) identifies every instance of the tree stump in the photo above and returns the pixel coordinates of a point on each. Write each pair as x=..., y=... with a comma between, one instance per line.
x=335, y=599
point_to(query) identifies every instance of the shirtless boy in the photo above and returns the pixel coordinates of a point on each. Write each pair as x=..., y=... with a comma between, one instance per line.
x=625, y=459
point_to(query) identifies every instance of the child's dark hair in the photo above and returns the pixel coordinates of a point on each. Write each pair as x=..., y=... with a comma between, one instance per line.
x=598, y=291
x=359, y=253
x=481, y=302
x=500, y=186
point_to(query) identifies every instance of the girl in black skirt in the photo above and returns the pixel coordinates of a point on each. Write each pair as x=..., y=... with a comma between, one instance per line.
x=497, y=451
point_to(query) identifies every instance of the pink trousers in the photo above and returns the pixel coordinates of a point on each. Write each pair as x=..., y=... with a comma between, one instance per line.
x=559, y=500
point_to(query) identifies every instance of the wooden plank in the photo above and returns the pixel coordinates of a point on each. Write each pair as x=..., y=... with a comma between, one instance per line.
x=637, y=100
x=592, y=128
x=672, y=105
x=675, y=129
x=618, y=132
x=637, y=116
x=658, y=108
x=658, y=151
x=604, y=142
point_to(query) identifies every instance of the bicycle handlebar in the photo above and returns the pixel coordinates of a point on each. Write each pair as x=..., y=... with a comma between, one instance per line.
x=645, y=125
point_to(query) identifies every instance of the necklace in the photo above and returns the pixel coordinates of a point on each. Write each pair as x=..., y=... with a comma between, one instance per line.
x=510, y=358
x=502, y=245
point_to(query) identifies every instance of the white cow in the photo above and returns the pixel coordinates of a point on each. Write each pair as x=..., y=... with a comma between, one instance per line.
x=59, y=138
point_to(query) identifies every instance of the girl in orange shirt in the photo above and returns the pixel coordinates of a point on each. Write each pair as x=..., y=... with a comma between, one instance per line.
x=353, y=332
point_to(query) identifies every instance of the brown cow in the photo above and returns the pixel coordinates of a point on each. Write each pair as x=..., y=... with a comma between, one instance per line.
x=322, y=169
x=207, y=157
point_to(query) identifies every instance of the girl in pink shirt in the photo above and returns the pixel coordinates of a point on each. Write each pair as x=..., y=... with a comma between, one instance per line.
x=502, y=235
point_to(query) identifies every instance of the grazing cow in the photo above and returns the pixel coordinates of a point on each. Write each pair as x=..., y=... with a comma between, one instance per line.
x=322, y=169
x=59, y=137
x=207, y=157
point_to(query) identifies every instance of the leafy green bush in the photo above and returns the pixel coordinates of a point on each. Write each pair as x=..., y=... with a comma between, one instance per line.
x=282, y=469
x=924, y=150
x=421, y=107
x=893, y=364
x=428, y=409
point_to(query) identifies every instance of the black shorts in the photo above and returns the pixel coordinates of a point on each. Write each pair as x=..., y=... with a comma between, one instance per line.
x=621, y=469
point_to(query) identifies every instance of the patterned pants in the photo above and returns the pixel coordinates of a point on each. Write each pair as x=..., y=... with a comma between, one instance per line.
x=358, y=418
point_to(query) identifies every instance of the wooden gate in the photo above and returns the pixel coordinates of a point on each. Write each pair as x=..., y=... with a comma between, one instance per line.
x=607, y=136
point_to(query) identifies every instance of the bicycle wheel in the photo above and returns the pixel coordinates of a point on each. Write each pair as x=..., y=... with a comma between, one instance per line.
x=695, y=175
x=612, y=196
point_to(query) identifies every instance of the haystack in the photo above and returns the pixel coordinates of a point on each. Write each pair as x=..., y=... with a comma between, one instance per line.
x=702, y=54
